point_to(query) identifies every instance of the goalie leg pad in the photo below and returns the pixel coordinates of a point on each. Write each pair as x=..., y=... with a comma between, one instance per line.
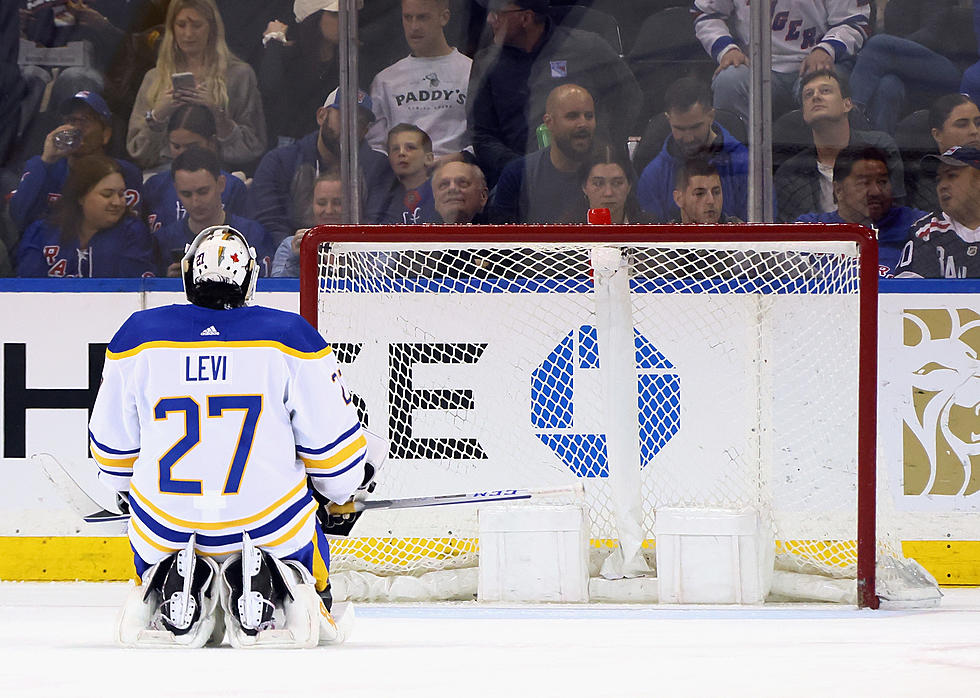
x=176, y=606
x=268, y=602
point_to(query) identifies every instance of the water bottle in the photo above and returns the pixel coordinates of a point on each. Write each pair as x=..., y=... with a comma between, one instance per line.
x=544, y=136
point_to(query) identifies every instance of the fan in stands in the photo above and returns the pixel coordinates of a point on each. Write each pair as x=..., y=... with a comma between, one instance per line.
x=213, y=417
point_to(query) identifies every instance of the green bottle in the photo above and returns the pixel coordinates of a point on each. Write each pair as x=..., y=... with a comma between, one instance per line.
x=544, y=136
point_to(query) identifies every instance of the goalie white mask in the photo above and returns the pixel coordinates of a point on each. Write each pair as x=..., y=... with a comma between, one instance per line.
x=219, y=268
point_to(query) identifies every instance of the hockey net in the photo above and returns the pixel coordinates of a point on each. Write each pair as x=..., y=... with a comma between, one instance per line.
x=737, y=373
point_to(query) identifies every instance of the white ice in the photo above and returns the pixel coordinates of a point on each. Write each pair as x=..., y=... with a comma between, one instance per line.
x=55, y=641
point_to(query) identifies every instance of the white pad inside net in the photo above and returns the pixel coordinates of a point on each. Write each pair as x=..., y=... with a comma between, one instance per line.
x=728, y=379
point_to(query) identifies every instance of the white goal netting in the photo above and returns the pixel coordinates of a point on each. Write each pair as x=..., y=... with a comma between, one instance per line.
x=657, y=374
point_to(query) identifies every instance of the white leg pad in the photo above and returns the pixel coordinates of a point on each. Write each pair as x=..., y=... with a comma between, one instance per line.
x=137, y=626
x=296, y=621
x=336, y=626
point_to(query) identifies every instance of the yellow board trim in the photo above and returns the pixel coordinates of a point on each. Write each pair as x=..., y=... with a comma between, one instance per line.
x=337, y=458
x=203, y=526
x=267, y=343
x=82, y=558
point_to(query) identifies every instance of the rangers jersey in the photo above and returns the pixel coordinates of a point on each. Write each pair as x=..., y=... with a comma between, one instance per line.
x=798, y=26
x=942, y=249
x=212, y=420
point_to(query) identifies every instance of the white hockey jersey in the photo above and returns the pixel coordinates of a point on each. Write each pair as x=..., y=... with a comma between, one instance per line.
x=798, y=26
x=212, y=420
x=427, y=92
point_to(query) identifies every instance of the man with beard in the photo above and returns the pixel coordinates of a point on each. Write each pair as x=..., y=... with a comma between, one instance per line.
x=694, y=133
x=282, y=190
x=863, y=192
x=537, y=187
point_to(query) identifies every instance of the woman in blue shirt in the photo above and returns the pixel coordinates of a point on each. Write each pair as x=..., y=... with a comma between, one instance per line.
x=90, y=232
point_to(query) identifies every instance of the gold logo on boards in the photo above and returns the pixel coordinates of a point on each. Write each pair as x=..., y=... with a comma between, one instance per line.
x=941, y=434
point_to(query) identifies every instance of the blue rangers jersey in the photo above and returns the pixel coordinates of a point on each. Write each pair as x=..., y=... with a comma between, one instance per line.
x=212, y=420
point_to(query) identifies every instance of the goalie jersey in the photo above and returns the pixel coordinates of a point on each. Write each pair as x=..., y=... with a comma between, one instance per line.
x=212, y=420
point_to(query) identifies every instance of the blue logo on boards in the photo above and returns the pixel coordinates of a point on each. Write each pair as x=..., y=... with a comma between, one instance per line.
x=658, y=397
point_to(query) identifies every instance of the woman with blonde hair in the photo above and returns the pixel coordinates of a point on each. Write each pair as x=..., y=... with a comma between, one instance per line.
x=194, y=66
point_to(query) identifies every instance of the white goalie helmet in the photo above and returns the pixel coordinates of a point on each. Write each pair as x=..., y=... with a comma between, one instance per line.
x=219, y=268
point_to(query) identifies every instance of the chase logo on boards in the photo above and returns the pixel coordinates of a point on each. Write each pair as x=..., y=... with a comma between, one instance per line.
x=553, y=401
x=941, y=432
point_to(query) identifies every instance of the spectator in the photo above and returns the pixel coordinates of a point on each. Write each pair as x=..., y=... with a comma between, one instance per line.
x=460, y=191
x=954, y=120
x=192, y=125
x=698, y=193
x=863, y=192
x=804, y=183
x=892, y=71
x=428, y=87
x=536, y=188
x=282, y=188
x=970, y=84
x=199, y=182
x=694, y=132
x=295, y=74
x=530, y=55
x=328, y=209
x=607, y=181
x=410, y=198
x=806, y=37
x=86, y=131
x=946, y=246
x=91, y=231
x=194, y=42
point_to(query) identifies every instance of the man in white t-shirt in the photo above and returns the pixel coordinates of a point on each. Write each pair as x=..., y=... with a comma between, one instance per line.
x=426, y=88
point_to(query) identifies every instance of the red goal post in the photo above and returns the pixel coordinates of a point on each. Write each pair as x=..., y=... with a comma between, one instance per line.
x=776, y=241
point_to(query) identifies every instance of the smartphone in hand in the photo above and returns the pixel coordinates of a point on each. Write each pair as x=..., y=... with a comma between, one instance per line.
x=183, y=81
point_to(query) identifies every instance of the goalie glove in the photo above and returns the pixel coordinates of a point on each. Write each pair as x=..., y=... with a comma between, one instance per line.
x=339, y=519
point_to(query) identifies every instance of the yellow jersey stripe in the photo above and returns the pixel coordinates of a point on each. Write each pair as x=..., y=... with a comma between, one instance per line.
x=292, y=531
x=267, y=343
x=207, y=526
x=135, y=526
x=126, y=463
x=339, y=457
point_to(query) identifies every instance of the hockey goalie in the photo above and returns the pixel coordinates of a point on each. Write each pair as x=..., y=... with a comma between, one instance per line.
x=218, y=422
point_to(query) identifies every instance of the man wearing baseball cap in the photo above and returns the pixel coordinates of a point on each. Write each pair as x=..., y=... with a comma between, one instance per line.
x=530, y=56
x=948, y=246
x=282, y=187
x=86, y=130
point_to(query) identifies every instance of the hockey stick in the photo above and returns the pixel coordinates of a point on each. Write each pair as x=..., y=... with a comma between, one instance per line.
x=84, y=496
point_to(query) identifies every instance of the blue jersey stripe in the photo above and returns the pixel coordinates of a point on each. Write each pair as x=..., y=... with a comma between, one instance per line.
x=343, y=437
x=266, y=529
x=335, y=473
x=113, y=451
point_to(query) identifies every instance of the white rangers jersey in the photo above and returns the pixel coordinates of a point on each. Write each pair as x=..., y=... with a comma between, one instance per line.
x=798, y=26
x=427, y=92
x=212, y=420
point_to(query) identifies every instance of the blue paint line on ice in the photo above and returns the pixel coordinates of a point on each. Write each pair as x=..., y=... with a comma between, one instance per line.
x=474, y=612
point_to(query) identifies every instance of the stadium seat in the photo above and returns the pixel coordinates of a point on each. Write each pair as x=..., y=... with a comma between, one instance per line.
x=665, y=50
x=588, y=19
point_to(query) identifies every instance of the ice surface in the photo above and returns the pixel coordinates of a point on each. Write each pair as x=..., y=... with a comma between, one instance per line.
x=57, y=642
